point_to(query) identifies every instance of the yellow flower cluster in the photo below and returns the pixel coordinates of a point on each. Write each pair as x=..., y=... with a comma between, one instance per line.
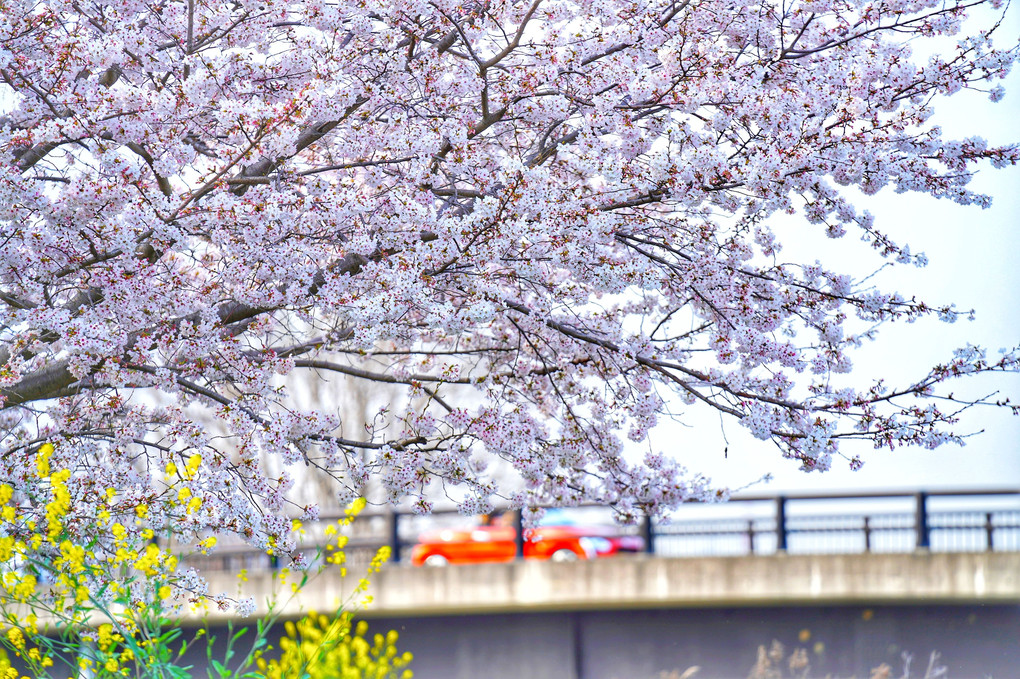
x=59, y=559
x=174, y=475
x=318, y=647
x=60, y=562
x=8, y=671
x=14, y=638
x=81, y=561
x=71, y=558
x=335, y=552
x=111, y=656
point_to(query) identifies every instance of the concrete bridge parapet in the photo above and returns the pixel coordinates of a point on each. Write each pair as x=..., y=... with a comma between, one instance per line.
x=656, y=582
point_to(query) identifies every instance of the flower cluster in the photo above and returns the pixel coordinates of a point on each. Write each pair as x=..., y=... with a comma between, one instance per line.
x=63, y=552
x=320, y=647
x=100, y=604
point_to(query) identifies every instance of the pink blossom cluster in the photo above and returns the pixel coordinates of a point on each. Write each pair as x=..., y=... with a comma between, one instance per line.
x=547, y=220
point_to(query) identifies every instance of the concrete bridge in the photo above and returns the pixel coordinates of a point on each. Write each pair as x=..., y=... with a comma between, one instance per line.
x=641, y=615
x=644, y=615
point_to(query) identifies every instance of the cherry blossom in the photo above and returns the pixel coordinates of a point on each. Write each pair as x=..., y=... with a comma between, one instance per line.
x=548, y=222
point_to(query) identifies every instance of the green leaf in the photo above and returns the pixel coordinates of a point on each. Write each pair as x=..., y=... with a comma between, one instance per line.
x=221, y=671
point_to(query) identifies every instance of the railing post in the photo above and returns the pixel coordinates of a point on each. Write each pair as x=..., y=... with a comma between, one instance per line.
x=750, y=537
x=395, y=537
x=921, y=522
x=990, y=531
x=519, y=533
x=648, y=534
x=867, y=534
x=781, y=523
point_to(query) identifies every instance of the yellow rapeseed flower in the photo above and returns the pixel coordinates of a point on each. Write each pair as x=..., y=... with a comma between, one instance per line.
x=16, y=638
x=149, y=561
x=31, y=623
x=105, y=636
x=42, y=460
x=72, y=557
x=191, y=468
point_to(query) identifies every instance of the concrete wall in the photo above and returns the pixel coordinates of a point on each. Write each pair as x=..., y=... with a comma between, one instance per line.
x=975, y=641
x=655, y=582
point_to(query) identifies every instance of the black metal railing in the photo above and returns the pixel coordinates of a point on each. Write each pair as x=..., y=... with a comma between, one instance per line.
x=944, y=521
x=864, y=522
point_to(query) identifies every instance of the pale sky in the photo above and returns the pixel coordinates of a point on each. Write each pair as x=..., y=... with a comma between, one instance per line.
x=973, y=262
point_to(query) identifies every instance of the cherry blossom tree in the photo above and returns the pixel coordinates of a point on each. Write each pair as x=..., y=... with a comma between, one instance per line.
x=547, y=223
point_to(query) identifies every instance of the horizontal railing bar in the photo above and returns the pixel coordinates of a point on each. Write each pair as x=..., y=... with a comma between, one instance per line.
x=793, y=497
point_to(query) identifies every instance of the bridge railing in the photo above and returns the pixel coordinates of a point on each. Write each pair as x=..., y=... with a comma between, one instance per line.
x=984, y=520
x=868, y=522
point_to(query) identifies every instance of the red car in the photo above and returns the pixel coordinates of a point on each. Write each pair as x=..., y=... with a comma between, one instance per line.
x=561, y=542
